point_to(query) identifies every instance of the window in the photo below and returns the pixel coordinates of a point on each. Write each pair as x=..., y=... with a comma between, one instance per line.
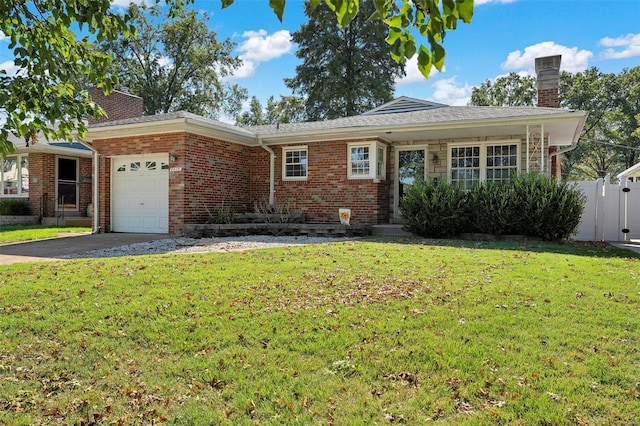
x=366, y=160
x=502, y=162
x=14, y=176
x=471, y=164
x=295, y=163
x=465, y=165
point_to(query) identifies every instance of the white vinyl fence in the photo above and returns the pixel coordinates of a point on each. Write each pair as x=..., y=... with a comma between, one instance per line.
x=612, y=211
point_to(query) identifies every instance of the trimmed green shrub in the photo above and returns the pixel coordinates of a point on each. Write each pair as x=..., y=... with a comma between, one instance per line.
x=14, y=208
x=434, y=209
x=548, y=209
x=490, y=209
x=531, y=204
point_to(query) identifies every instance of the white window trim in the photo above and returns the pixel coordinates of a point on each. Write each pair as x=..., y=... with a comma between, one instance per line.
x=483, y=154
x=284, y=163
x=373, y=160
x=20, y=194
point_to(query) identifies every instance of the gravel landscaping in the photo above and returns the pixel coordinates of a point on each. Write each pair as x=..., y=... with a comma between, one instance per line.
x=203, y=245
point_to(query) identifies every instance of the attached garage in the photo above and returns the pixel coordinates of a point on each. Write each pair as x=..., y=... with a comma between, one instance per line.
x=140, y=193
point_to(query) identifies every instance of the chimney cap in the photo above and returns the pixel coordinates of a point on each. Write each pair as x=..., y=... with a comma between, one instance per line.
x=548, y=65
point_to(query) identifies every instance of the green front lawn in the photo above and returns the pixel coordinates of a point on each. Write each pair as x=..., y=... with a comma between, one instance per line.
x=19, y=233
x=349, y=333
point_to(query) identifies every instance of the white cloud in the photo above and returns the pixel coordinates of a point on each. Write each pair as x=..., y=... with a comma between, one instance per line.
x=449, y=91
x=246, y=70
x=3, y=36
x=10, y=67
x=629, y=43
x=413, y=74
x=163, y=61
x=259, y=46
x=125, y=3
x=481, y=2
x=573, y=60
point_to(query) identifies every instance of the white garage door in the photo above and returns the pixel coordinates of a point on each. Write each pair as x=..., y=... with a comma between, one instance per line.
x=140, y=194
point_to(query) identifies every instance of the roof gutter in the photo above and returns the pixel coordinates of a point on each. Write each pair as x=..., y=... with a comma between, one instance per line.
x=272, y=171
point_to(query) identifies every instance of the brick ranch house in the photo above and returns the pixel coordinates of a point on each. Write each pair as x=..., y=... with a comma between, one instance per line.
x=157, y=173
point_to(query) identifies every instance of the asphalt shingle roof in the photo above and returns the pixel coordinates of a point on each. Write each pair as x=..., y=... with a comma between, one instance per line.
x=432, y=116
x=447, y=114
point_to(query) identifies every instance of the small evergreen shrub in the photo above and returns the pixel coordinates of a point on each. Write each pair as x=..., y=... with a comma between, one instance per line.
x=531, y=204
x=434, y=209
x=491, y=209
x=14, y=208
x=548, y=209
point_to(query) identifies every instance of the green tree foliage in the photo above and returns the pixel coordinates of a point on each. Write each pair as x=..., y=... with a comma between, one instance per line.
x=175, y=63
x=610, y=141
x=510, y=90
x=254, y=116
x=289, y=109
x=50, y=57
x=44, y=96
x=431, y=18
x=345, y=71
x=608, y=144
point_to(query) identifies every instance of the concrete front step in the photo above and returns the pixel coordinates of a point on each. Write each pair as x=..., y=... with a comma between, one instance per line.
x=77, y=221
x=389, y=230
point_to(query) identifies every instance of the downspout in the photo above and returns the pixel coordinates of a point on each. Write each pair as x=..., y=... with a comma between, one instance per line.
x=272, y=171
x=96, y=187
x=96, y=191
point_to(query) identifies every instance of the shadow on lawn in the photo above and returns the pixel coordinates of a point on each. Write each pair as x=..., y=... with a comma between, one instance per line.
x=576, y=248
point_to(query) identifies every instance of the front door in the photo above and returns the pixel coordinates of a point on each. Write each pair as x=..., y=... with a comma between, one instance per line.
x=411, y=168
x=67, y=184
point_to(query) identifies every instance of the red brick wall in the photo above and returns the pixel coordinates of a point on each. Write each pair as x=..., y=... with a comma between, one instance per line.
x=217, y=178
x=118, y=105
x=211, y=172
x=42, y=180
x=327, y=187
x=153, y=144
x=86, y=188
x=218, y=174
x=548, y=98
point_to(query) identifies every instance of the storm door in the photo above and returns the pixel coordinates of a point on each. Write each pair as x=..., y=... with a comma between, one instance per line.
x=410, y=167
x=67, y=184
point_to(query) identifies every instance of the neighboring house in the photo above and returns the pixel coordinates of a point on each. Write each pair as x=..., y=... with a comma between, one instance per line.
x=157, y=173
x=56, y=177
x=632, y=174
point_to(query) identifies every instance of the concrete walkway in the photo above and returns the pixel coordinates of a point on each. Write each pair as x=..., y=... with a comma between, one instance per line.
x=633, y=246
x=50, y=249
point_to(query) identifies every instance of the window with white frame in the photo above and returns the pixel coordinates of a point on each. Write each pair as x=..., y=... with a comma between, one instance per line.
x=366, y=160
x=295, y=165
x=14, y=176
x=483, y=162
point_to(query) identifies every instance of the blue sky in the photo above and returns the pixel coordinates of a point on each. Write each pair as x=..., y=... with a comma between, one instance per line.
x=505, y=36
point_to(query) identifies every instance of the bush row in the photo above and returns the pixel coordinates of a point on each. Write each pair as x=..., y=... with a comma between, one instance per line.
x=530, y=204
x=14, y=208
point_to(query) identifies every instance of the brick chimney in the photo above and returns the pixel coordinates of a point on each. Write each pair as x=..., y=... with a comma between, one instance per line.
x=548, y=72
x=548, y=83
x=118, y=105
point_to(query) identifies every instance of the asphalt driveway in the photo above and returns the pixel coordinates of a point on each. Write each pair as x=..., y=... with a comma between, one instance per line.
x=51, y=249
